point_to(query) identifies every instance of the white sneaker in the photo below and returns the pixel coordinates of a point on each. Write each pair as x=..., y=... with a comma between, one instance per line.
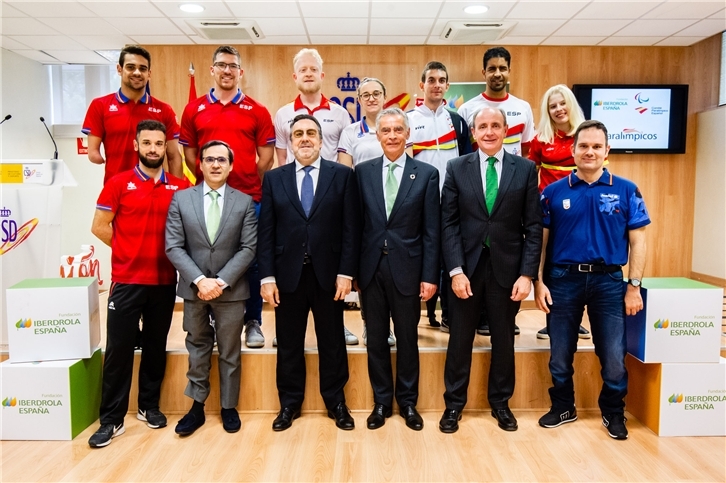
x=350, y=337
x=391, y=340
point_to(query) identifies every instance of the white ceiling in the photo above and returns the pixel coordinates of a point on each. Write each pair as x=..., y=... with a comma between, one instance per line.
x=68, y=31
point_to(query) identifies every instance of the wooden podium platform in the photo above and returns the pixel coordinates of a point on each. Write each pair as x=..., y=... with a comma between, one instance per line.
x=259, y=393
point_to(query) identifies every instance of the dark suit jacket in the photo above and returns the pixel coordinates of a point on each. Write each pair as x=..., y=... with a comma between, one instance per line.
x=330, y=235
x=514, y=226
x=413, y=230
x=192, y=253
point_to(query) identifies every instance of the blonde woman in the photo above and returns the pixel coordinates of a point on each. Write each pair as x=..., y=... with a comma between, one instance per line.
x=551, y=148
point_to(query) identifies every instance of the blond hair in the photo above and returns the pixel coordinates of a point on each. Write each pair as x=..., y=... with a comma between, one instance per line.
x=546, y=129
x=312, y=52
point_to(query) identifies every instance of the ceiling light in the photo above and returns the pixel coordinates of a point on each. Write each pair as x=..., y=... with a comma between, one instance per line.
x=474, y=9
x=191, y=8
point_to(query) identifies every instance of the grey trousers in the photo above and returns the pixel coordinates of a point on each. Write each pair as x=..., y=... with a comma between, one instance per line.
x=229, y=322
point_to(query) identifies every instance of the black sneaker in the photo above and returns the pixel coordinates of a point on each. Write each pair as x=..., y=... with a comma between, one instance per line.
x=444, y=325
x=152, y=417
x=583, y=333
x=483, y=329
x=557, y=417
x=516, y=329
x=543, y=334
x=105, y=433
x=615, y=424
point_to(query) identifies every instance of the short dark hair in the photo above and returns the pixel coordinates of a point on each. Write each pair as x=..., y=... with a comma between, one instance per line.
x=134, y=50
x=434, y=65
x=593, y=124
x=302, y=117
x=495, y=52
x=209, y=144
x=149, y=125
x=226, y=49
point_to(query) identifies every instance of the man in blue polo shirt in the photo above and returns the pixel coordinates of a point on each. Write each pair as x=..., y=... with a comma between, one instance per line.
x=592, y=219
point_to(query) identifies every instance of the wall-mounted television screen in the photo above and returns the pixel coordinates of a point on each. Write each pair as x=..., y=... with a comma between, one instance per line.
x=640, y=118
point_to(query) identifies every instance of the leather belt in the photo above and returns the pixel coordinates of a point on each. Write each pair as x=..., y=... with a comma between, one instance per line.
x=592, y=267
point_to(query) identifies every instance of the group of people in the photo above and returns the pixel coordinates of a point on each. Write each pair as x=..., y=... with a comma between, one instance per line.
x=398, y=206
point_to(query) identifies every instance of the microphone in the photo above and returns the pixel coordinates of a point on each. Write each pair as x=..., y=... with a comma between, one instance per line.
x=6, y=118
x=55, y=155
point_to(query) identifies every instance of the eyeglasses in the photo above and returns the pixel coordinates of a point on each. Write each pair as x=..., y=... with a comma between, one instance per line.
x=224, y=65
x=210, y=160
x=367, y=96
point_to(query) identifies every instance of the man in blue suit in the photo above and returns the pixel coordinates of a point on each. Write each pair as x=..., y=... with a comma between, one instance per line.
x=309, y=239
x=399, y=263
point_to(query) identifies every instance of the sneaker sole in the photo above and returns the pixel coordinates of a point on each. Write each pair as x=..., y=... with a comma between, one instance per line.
x=141, y=417
x=117, y=433
x=615, y=436
x=543, y=336
x=255, y=345
x=352, y=342
x=571, y=420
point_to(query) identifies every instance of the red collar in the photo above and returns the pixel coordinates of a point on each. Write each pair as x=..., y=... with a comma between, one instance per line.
x=324, y=104
x=494, y=100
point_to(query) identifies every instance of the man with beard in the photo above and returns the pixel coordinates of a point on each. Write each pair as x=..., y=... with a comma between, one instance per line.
x=226, y=114
x=111, y=119
x=131, y=218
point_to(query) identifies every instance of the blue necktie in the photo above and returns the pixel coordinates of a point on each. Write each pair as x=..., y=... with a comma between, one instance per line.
x=306, y=191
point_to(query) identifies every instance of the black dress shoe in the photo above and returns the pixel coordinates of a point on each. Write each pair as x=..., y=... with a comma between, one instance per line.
x=449, y=422
x=378, y=416
x=230, y=420
x=412, y=417
x=505, y=418
x=284, y=419
x=191, y=421
x=343, y=419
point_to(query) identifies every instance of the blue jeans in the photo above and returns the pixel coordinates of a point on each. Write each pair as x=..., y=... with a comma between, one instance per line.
x=604, y=296
x=254, y=304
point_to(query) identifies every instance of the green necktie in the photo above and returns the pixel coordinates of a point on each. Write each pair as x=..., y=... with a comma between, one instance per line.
x=492, y=185
x=213, y=216
x=391, y=188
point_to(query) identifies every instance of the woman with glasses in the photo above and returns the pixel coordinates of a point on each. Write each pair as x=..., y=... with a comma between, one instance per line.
x=551, y=148
x=358, y=143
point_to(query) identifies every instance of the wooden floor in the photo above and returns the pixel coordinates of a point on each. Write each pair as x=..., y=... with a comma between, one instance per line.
x=314, y=450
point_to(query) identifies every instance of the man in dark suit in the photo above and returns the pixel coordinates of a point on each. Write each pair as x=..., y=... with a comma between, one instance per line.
x=399, y=253
x=492, y=240
x=211, y=238
x=309, y=239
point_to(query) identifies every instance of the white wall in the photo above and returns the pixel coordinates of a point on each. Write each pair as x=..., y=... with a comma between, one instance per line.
x=26, y=94
x=709, y=227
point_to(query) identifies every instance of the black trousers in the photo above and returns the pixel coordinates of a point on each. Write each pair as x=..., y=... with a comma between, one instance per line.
x=465, y=314
x=126, y=304
x=381, y=298
x=291, y=320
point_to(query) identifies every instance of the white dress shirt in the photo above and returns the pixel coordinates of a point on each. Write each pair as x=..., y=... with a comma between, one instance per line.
x=398, y=172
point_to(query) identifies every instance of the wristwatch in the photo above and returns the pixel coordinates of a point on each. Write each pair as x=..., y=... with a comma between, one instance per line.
x=635, y=282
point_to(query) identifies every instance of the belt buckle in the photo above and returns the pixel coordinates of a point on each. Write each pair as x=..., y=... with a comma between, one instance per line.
x=587, y=267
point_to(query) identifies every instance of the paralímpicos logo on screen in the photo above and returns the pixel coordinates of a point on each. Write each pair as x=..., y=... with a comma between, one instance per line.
x=634, y=135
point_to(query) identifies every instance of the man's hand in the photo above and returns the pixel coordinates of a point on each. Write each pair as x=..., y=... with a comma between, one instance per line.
x=542, y=296
x=342, y=288
x=461, y=286
x=521, y=288
x=270, y=294
x=428, y=290
x=633, y=300
x=209, y=289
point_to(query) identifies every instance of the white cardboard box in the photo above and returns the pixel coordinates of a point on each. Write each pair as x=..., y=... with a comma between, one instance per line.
x=681, y=322
x=53, y=319
x=678, y=399
x=54, y=400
